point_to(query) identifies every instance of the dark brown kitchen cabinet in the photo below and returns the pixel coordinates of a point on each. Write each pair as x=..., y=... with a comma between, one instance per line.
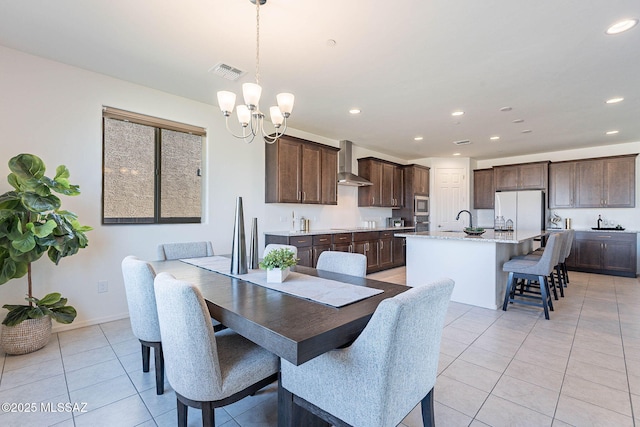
x=387, y=179
x=562, y=185
x=604, y=252
x=524, y=176
x=483, y=189
x=399, y=251
x=366, y=243
x=300, y=171
x=342, y=242
x=385, y=249
x=606, y=182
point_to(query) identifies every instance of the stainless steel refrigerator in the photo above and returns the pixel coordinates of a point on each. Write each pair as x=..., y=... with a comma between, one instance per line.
x=525, y=208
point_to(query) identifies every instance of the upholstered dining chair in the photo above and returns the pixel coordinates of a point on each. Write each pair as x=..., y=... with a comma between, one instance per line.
x=272, y=246
x=389, y=369
x=138, y=284
x=168, y=251
x=206, y=370
x=343, y=262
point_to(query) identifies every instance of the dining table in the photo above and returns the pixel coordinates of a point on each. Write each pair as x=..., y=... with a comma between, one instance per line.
x=295, y=329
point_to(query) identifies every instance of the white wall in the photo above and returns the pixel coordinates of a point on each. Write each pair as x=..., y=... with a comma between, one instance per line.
x=55, y=111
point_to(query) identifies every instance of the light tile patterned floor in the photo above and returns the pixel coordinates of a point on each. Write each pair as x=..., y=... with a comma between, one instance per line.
x=497, y=368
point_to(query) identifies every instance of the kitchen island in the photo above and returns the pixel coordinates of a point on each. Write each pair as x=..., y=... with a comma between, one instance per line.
x=474, y=263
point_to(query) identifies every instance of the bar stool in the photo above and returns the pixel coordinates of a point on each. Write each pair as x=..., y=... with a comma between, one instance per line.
x=533, y=270
x=556, y=276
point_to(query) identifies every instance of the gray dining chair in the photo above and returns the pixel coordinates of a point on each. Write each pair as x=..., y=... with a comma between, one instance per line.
x=138, y=278
x=343, y=262
x=167, y=251
x=389, y=369
x=272, y=246
x=206, y=371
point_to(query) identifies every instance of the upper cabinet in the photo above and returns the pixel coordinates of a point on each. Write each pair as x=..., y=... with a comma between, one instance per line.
x=525, y=176
x=300, y=171
x=416, y=180
x=387, y=178
x=483, y=189
x=607, y=182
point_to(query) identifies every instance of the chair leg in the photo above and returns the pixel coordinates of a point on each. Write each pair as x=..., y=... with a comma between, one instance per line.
x=146, y=354
x=560, y=277
x=208, y=415
x=507, y=291
x=544, y=287
x=182, y=414
x=552, y=285
x=159, y=361
x=565, y=273
x=428, y=419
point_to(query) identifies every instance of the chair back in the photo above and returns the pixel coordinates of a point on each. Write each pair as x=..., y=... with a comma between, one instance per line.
x=167, y=251
x=568, y=243
x=401, y=343
x=343, y=262
x=550, y=257
x=272, y=246
x=138, y=278
x=188, y=341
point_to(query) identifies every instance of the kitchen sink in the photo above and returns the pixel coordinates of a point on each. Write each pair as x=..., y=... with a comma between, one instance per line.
x=608, y=228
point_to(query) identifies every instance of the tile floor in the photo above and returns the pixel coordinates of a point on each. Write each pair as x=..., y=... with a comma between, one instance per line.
x=580, y=368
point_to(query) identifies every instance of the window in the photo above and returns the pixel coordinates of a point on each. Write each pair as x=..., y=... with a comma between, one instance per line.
x=151, y=170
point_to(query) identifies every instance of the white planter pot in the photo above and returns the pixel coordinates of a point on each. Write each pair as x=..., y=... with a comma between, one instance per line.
x=277, y=275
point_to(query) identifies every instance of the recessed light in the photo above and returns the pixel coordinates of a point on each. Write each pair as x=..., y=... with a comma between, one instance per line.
x=355, y=111
x=457, y=113
x=612, y=132
x=506, y=109
x=418, y=138
x=621, y=26
x=614, y=100
x=494, y=138
x=527, y=131
x=518, y=121
x=456, y=154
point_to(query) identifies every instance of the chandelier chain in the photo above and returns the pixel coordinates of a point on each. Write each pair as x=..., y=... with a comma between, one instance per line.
x=258, y=41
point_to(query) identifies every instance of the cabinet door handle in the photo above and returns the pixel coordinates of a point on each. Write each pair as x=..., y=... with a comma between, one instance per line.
x=304, y=195
x=350, y=248
x=373, y=200
x=381, y=244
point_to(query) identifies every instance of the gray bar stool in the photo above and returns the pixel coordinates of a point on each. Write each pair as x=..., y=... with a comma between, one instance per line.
x=556, y=276
x=533, y=270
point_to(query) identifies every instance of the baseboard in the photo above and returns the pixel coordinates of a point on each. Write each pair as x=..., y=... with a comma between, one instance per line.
x=59, y=327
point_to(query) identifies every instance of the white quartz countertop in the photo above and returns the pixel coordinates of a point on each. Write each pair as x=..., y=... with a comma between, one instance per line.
x=626, y=230
x=489, y=236
x=336, y=231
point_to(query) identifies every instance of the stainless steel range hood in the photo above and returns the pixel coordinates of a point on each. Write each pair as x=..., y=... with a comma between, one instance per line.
x=345, y=176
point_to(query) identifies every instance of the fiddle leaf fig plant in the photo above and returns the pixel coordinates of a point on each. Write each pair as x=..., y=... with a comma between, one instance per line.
x=32, y=223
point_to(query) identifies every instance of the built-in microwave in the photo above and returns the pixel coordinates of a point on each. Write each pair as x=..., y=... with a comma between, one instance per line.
x=420, y=205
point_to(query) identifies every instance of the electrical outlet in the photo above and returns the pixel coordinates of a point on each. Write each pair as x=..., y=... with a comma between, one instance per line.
x=103, y=286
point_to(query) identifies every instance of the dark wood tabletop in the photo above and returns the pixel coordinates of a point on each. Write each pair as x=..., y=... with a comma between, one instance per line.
x=293, y=328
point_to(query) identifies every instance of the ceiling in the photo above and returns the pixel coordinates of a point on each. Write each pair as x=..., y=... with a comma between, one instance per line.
x=406, y=64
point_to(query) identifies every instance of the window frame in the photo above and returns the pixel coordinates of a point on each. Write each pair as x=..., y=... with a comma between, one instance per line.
x=159, y=125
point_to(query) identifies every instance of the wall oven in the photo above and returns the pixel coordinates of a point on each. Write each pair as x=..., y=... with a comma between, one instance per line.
x=420, y=206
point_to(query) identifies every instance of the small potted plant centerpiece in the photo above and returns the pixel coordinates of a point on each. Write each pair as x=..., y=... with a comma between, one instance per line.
x=278, y=263
x=32, y=224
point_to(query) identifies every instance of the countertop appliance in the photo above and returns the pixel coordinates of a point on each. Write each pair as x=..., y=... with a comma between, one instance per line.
x=525, y=208
x=395, y=222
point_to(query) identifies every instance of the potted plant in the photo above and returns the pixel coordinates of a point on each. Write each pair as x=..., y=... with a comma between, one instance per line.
x=278, y=263
x=32, y=223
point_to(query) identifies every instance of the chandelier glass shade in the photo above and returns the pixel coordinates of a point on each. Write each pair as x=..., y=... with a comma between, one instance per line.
x=249, y=115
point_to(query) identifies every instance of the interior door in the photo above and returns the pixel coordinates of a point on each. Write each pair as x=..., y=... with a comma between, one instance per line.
x=450, y=198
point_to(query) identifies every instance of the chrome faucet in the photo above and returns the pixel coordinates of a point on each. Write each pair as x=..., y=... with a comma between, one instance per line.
x=470, y=217
x=599, y=220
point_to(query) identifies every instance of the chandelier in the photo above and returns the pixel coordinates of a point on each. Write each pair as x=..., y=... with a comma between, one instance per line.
x=249, y=115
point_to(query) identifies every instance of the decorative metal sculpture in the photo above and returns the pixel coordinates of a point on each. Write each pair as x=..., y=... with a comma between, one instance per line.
x=239, y=248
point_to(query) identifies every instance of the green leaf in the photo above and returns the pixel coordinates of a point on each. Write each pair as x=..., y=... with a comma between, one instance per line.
x=27, y=166
x=25, y=243
x=7, y=270
x=62, y=173
x=16, y=315
x=50, y=299
x=42, y=230
x=9, y=196
x=62, y=187
x=13, y=180
x=36, y=203
x=64, y=315
x=35, y=313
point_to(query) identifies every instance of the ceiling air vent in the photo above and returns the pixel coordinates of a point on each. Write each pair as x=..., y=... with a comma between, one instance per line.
x=226, y=71
x=463, y=142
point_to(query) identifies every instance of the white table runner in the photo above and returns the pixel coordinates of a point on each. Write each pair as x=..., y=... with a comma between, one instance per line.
x=324, y=291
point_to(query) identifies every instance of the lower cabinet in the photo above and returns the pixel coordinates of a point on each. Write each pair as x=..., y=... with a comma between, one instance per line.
x=604, y=252
x=381, y=248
